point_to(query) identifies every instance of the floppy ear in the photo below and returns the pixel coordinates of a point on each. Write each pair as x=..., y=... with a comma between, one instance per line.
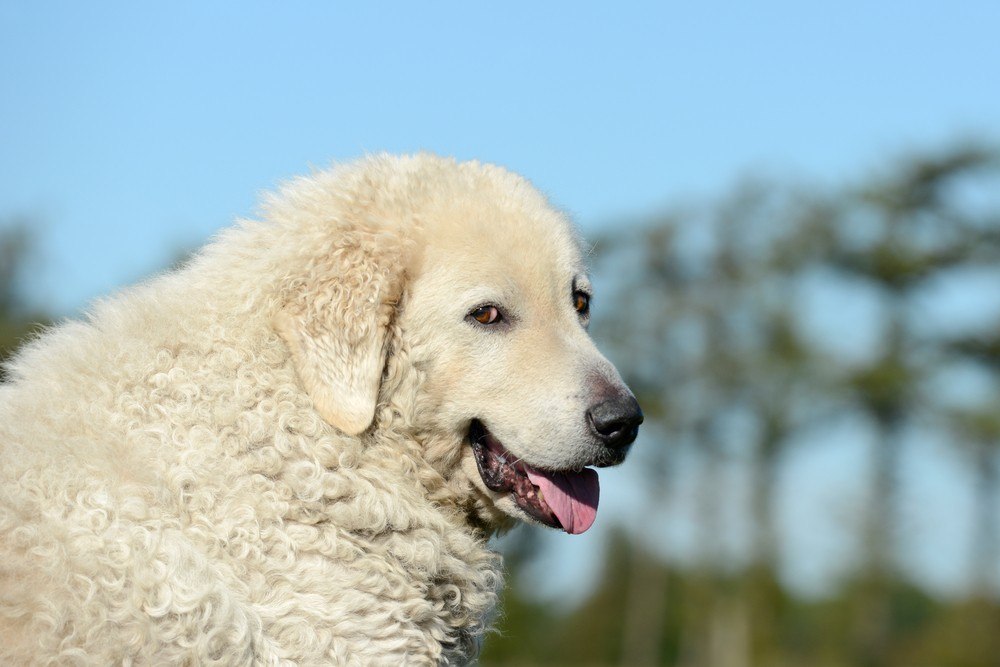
x=336, y=323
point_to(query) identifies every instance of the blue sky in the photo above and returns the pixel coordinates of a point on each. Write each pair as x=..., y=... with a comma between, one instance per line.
x=132, y=131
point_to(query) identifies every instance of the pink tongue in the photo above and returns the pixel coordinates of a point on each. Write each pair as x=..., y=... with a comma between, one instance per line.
x=572, y=496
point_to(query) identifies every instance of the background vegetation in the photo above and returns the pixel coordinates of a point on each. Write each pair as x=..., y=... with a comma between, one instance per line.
x=738, y=324
x=753, y=328
x=17, y=318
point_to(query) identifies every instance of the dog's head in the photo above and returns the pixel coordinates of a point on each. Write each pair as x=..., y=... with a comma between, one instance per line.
x=468, y=274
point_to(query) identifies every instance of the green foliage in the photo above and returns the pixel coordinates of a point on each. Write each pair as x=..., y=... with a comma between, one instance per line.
x=17, y=323
x=702, y=320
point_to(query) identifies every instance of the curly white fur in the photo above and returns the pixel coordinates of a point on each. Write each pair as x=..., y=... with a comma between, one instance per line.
x=241, y=462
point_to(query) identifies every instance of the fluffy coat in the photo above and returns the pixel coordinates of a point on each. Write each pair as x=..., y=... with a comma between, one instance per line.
x=240, y=462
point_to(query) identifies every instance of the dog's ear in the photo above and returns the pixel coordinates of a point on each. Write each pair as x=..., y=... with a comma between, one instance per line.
x=336, y=322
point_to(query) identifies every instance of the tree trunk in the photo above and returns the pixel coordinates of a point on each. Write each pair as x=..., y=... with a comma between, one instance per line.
x=873, y=629
x=984, y=547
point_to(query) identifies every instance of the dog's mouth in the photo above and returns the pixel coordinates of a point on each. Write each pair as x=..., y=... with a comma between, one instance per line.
x=560, y=499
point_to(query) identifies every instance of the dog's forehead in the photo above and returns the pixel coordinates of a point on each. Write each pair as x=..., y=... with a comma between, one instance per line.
x=500, y=248
x=515, y=228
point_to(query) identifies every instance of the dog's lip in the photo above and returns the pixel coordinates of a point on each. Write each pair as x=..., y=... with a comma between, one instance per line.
x=502, y=472
x=496, y=464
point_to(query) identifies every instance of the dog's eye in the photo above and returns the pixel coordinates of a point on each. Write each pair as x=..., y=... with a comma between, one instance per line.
x=486, y=315
x=581, y=302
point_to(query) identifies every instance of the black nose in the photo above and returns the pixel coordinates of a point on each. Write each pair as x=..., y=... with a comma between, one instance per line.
x=615, y=422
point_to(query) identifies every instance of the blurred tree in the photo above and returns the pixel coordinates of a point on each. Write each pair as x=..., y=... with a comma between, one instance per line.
x=914, y=232
x=978, y=426
x=17, y=321
x=705, y=320
x=980, y=431
x=13, y=249
x=716, y=359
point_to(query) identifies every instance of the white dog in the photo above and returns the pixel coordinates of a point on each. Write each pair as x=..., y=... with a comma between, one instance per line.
x=293, y=450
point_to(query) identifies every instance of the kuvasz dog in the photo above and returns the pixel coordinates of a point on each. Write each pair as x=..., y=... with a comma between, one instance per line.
x=293, y=449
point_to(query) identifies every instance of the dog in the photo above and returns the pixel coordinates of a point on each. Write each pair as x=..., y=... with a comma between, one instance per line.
x=294, y=448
